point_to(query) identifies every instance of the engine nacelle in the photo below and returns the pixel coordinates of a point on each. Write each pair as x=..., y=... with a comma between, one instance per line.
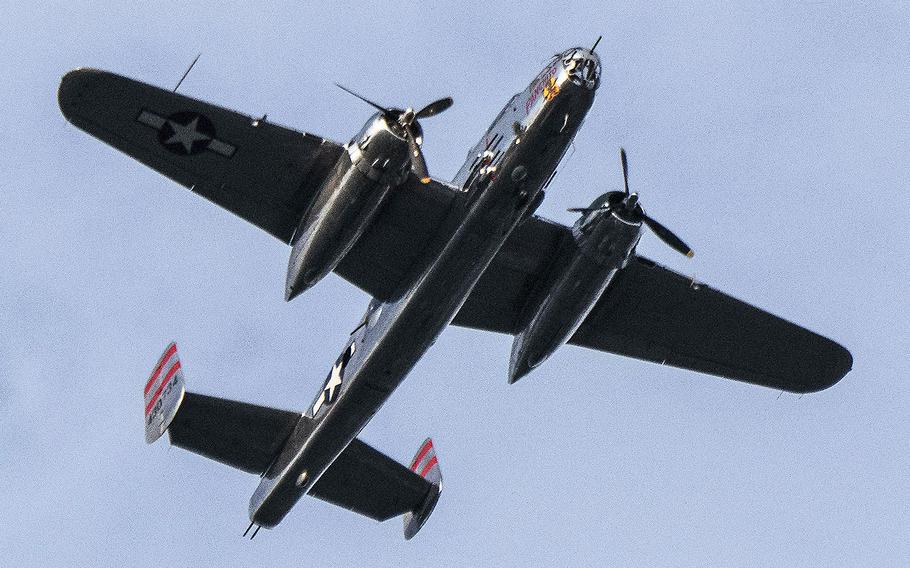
x=605, y=243
x=376, y=160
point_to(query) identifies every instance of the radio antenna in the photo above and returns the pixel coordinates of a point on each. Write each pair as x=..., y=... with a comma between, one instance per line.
x=190, y=68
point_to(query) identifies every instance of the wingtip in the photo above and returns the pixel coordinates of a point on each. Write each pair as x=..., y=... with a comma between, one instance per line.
x=843, y=364
x=840, y=364
x=72, y=89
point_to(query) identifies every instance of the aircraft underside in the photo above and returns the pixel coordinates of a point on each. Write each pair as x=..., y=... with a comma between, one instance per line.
x=430, y=253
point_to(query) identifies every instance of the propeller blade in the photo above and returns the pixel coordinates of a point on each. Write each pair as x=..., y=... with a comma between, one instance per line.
x=667, y=236
x=434, y=108
x=364, y=99
x=418, y=164
x=625, y=168
x=587, y=209
x=407, y=119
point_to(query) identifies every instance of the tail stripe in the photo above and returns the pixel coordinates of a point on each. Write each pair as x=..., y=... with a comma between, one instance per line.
x=167, y=379
x=428, y=467
x=164, y=393
x=421, y=454
x=164, y=359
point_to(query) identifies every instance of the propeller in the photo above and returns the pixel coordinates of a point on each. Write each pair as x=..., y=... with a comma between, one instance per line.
x=407, y=121
x=626, y=204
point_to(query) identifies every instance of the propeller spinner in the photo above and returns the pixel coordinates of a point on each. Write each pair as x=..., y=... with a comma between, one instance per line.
x=407, y=121
x=626, y=204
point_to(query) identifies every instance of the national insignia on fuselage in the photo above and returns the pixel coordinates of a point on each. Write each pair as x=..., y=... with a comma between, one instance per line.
x=332, y=386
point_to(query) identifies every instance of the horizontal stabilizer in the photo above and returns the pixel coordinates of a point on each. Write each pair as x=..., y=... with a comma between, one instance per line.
x=368, y=482
x=252, y=438
x=241, y=435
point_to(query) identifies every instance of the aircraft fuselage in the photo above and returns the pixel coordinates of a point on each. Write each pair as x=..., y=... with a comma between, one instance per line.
x=503, y=176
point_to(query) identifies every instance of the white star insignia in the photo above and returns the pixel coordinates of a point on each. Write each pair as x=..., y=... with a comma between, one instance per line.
x=333, y=383
x=327, y=396
x=186, y=134
x=328, y=392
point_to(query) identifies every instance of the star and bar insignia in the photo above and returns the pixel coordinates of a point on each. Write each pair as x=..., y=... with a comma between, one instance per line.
x=331, y=389
x=186, y=133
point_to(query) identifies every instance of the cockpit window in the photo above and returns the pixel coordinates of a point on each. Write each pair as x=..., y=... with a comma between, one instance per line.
x=581, y=67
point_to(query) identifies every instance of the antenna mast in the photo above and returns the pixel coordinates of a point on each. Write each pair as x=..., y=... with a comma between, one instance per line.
x=190, y=68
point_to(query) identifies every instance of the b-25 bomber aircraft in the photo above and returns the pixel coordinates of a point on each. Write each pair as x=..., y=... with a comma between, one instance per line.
x=470, y=252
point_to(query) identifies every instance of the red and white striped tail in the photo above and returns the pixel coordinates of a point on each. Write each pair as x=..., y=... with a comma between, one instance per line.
x=163, y=394
x=426, y=465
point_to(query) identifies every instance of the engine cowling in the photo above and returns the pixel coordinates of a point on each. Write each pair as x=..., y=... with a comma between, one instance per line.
x=605, y=242
x=376, y=160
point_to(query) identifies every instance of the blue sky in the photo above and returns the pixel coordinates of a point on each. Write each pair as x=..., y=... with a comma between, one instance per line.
x=773, y=138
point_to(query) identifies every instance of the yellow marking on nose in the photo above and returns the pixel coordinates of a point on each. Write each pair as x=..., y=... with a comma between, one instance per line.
x=551, y=89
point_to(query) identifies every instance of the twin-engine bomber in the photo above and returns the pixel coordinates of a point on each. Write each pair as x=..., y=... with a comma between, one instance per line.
x=470, y=252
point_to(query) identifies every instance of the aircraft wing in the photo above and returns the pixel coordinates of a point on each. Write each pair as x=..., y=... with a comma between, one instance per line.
x=655, y=314
x=650, y=312
x=262, y=172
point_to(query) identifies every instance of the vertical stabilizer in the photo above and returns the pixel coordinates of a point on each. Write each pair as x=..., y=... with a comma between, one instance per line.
x=163, y=394
x=426, y=466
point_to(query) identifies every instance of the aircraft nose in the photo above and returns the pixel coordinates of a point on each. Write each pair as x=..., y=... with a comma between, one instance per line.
x=582, y=66
x=594, y=57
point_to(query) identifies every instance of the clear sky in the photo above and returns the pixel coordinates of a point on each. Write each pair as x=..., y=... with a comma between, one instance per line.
x=774, y=139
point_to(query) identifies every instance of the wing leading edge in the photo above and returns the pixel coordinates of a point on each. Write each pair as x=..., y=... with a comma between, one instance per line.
x=652, y=313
